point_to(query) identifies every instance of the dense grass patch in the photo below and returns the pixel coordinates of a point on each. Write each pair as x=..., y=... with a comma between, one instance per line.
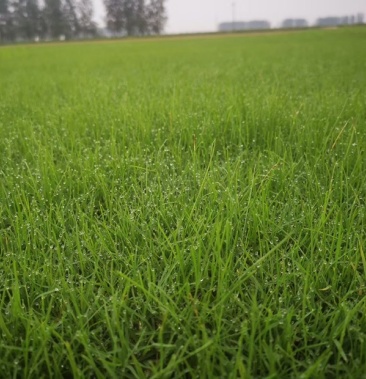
x=184, y=208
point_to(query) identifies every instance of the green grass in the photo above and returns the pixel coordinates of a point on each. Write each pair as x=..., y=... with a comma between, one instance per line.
x=190, y=208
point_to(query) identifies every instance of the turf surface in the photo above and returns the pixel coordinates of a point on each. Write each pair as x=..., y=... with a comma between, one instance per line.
x=184, y=208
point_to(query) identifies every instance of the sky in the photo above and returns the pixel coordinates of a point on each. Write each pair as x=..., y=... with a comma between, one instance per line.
x=187, y=16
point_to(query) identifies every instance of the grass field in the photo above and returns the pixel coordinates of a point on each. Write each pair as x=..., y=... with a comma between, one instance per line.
x=190, y=208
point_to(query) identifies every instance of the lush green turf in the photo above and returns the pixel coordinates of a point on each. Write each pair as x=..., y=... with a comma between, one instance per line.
x=184, y=208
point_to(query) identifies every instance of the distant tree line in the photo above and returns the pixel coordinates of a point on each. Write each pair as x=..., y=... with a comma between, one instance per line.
x=135, y=17
x=33, y=20
x=22, y=20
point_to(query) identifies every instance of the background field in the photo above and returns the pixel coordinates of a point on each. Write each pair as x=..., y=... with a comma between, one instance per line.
x=184, y=208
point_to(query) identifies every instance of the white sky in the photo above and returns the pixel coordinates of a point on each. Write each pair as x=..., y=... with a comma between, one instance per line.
x=204, y=15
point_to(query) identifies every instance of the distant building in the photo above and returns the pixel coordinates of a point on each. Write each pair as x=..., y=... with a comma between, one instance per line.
x=345, y=20
x=335, y=21
x=329, y=21
x=360, y=17
x=295, y=23
x=259, y=24
x=229, y=26
x=244, y=25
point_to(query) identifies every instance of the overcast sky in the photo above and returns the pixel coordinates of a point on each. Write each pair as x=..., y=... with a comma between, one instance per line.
x=204, y=15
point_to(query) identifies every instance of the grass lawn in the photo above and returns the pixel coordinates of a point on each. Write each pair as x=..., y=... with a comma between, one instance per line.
x=184, y=208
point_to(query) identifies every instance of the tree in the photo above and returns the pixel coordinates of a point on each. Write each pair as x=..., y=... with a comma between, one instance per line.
x=5, y=21
x=32, y=20
x=156, y=16
x=70, y=18
x=26, y=20
x=129, y=16
x=19, y=19
x=87, y=26
x=114, y=15
x=54, y=18
x=4, y=7
x=141, y=18
x=135, y=17
x=61, y=19
x=16, y=10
